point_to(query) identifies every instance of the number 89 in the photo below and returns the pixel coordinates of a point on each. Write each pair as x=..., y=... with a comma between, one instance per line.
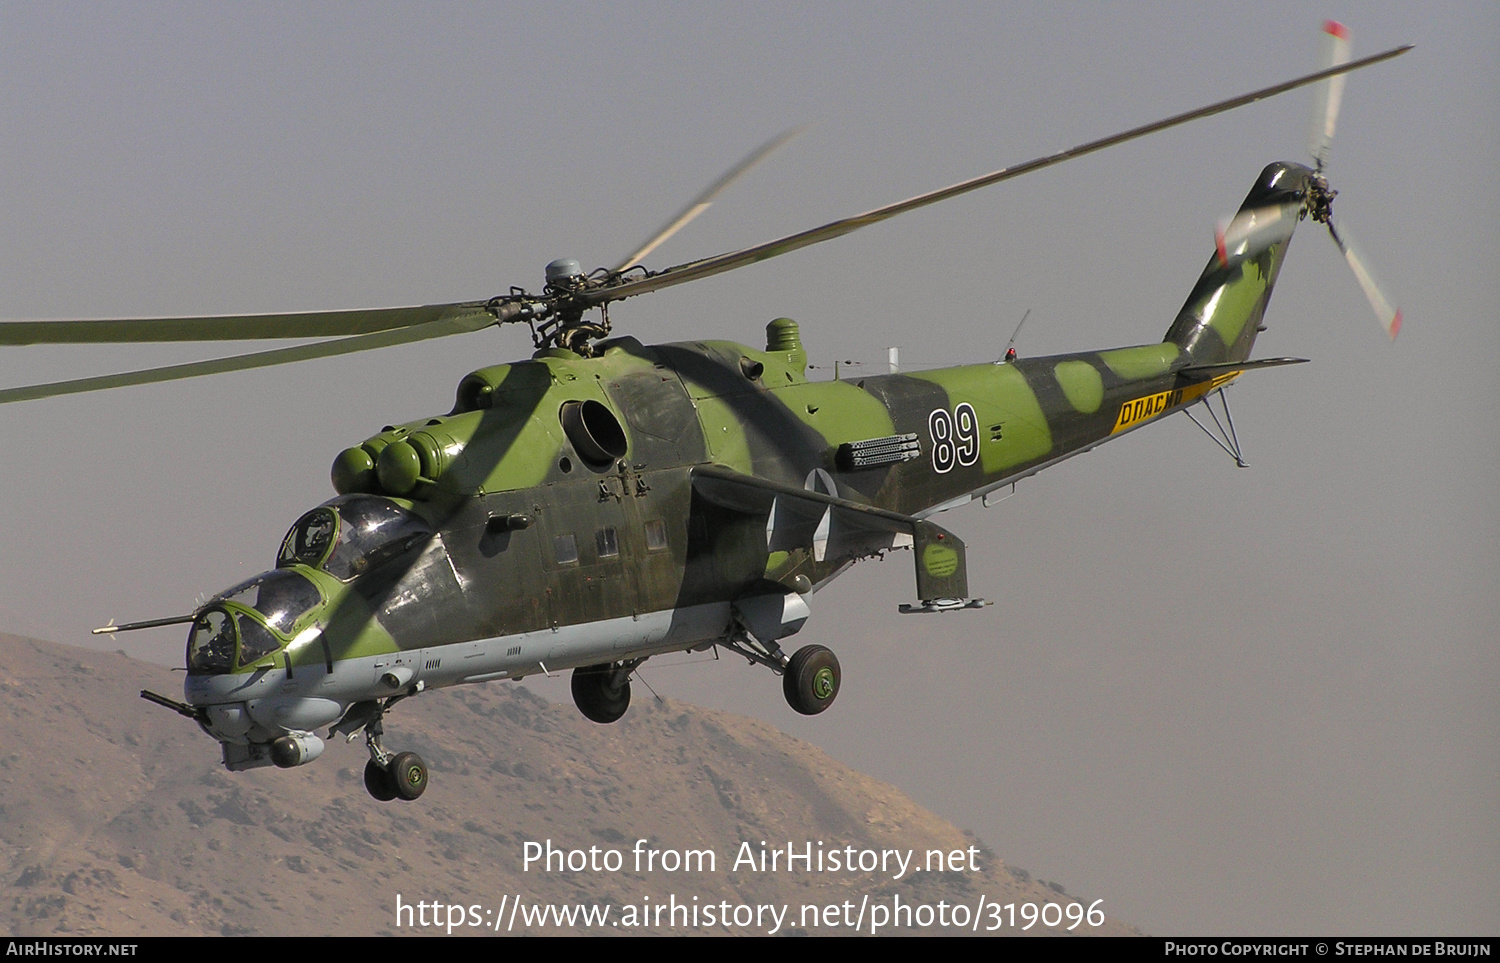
x=955, y=437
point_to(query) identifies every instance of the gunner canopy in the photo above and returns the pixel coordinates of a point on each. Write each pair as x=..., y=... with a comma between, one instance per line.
x=246, y=614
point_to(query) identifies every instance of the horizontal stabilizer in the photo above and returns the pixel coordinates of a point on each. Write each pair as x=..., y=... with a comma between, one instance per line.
x=1208, y=372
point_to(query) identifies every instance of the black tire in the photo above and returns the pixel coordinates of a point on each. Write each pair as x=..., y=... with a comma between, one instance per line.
x=811, y=680
x=595, y=698
x=408, y=775
x=378, y=782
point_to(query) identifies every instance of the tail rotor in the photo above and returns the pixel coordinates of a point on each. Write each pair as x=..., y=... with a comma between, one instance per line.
x=1253, y=230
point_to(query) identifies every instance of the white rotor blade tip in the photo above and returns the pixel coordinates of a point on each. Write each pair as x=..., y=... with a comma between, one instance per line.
x=1335, y=29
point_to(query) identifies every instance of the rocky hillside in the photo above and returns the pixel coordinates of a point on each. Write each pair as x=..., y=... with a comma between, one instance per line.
x=116, y=819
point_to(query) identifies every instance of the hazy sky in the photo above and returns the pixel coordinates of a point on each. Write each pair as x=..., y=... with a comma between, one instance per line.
x=1255, y=701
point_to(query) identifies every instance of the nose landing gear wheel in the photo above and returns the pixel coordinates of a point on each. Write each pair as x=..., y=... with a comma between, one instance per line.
x=378, y=782
x=811, y=679
x=408, y=774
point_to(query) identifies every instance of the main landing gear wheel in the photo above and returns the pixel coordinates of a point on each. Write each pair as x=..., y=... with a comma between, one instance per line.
x=387, y=777
x=811, y=679
x=598, y=696
x=378, y=782
x=408, y=775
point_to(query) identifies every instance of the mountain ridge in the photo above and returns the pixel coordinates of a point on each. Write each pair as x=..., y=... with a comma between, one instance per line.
x=118, y=820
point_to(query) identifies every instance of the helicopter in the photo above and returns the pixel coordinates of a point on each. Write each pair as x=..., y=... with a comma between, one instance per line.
x=605, y=501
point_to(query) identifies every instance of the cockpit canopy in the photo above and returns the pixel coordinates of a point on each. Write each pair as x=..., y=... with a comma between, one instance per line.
x=346, y=537
x=249, y=621
x=351, y=535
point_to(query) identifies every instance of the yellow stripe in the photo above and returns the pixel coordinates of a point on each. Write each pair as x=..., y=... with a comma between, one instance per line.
x=1146, y=407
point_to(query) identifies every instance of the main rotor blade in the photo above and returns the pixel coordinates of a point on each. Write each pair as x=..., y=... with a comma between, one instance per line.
x=1332, y=51
x=232, y=327
x=262, y=359
x=700, y=203
x=708, y=267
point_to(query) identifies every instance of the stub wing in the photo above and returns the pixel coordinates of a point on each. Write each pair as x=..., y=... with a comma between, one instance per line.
x=835, y=529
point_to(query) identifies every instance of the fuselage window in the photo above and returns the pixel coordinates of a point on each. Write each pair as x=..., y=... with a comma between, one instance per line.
x=566, y=549
x=656, y=535
x=607, y=543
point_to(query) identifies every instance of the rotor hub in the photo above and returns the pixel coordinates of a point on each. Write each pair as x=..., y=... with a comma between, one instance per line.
x=1320, y=198
x=565, y=274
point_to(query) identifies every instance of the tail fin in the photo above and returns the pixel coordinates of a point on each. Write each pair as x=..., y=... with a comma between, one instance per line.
x=1222, y=316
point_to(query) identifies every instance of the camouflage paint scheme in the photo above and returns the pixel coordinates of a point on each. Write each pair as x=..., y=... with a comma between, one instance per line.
x=735, y=479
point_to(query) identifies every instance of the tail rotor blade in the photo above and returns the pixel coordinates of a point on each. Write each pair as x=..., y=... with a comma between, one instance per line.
x=1251, y=231
x=1333, y=51
x=1388, y=314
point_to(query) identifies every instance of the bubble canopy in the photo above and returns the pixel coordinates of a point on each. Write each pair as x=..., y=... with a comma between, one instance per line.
x=351, y=535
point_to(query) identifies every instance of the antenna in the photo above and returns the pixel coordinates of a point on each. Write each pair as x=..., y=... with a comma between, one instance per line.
x=1010, y=346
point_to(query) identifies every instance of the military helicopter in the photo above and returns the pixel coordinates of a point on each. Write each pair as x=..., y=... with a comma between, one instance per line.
x=607, y=501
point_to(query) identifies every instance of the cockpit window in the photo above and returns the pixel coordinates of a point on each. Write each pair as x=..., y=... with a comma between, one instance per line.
x=256, y=641
x=309, y=540
x=372, y=531
x=274, y=600
x=278, y=596
x=352, y=535
x=211, y=646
